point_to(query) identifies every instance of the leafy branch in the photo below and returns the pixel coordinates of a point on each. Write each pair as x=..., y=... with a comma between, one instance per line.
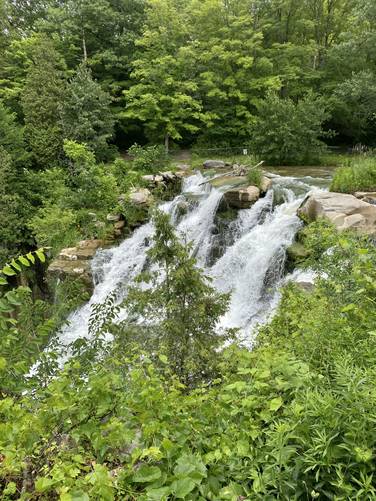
x=16, y=265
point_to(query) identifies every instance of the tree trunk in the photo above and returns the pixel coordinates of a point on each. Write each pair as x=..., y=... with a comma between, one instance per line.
x=84, y=46
x=167, y=142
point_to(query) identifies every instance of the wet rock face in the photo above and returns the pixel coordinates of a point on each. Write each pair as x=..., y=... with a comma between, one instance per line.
x=75, y=261
x=223, y=233
x=242, y=198
x=344, y=211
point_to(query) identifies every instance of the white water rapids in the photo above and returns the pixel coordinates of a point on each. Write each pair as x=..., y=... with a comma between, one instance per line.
x=250, y=266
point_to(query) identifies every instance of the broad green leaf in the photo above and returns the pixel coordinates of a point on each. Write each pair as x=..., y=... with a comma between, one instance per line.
x=242, y=448
x=182, y=487
x=158, y=494
x=7, y=270
x=275, y=404
x=15, y=265
x=24, y=261
x=163, y=359
x=3, y=281
x=11, y=488
x=43, y=484
x=40, y=255
x=30, y=257
x=74, y=496
x=147, y=474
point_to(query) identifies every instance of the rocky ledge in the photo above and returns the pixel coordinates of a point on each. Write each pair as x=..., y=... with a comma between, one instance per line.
x=165, y=180
x=344, y=211
x=75, y=261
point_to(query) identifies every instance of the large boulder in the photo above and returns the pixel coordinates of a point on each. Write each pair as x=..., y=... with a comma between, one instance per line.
x=266, y=184
x=344, y=211
x=242, y=198
x=214, y=164
x=141, y=197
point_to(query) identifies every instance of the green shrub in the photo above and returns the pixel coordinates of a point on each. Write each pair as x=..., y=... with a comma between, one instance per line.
x=126, y=177
x=360, y=175
x=149, y=158
x=254, y=176
x=55, y=227
x=288, y=133
x=292, y=419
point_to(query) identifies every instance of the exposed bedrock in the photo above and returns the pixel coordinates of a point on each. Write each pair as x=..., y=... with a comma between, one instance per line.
x=344, y=211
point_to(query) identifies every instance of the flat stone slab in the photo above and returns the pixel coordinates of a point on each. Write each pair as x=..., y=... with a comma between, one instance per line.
x=344, y=211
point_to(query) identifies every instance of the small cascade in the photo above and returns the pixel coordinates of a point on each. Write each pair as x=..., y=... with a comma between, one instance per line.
x=249, y=268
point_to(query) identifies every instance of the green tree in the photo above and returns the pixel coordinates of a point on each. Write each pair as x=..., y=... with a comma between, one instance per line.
x=232, y=71
x=86, y=116
x=11, y=135
x=181, y=305
x=287, y=132
x=354, y=107
x=42, y=97
x=13, y=209
x=164, y=93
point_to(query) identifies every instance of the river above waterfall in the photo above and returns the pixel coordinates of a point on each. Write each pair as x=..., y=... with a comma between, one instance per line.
x=244, y=255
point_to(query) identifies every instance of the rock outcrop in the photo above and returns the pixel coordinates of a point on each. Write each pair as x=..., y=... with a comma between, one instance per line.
x=265, y=185
x=366, y=196
x=242, y=198
x=214, y=164
x=297, y=253
x=75, y=261
x=141, y=196
x=344, y=211
x=168, y=180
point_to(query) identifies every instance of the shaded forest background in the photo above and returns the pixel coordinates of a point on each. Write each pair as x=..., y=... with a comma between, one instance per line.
x=120, y=71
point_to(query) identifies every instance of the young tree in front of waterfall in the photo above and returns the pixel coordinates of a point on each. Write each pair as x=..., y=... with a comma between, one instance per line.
x=181, y=307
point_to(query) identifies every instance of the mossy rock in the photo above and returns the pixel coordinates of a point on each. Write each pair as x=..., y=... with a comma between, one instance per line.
x=296, y=253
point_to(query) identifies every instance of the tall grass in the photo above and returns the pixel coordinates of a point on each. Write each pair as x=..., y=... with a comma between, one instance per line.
x=254, y=176
x=359, y=175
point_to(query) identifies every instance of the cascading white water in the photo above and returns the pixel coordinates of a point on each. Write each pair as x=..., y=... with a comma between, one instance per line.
x=252, y=267
x=249, y=269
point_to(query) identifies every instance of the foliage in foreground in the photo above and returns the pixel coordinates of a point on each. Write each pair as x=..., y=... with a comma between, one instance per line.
x=294, y=419
x=359, y=175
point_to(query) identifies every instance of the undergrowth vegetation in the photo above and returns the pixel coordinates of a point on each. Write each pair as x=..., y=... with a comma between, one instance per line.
x=358, y=175
x=254, y=176
x=294, y=419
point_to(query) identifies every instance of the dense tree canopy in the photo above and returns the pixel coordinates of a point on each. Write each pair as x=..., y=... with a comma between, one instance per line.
x=196, y=71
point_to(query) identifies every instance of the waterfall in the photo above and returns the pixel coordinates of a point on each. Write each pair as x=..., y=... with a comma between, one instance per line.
x=250, y=268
